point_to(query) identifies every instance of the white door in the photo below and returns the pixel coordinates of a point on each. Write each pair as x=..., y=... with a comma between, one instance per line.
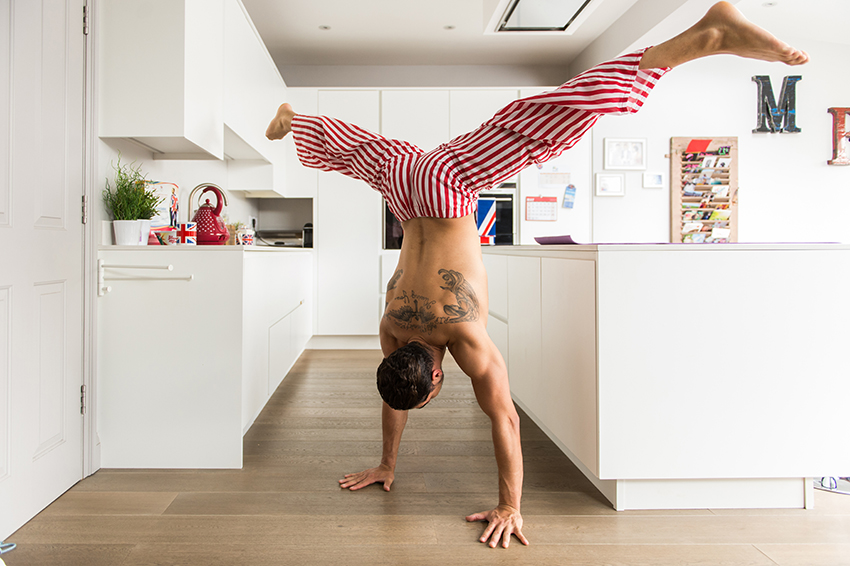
x=41, y=254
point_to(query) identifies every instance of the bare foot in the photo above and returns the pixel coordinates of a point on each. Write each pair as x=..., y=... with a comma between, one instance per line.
x=723, y=29
x=281, y=124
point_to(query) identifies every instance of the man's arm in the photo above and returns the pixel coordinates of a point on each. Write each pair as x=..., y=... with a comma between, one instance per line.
x=392, y=425
x=479, y=358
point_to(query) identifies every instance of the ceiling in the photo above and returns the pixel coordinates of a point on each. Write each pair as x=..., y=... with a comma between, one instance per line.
x=451, y=32
x=412, y=32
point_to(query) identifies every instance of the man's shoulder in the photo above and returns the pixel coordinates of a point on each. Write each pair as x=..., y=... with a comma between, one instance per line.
x=470, y=345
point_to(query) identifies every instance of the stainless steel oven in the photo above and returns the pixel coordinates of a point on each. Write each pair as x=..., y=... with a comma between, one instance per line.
x=501, y=218
x=504, y=218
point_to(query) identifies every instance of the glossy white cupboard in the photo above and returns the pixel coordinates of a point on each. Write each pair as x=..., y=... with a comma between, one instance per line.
x=668, y=393
x=192, y=79
x=184, y=367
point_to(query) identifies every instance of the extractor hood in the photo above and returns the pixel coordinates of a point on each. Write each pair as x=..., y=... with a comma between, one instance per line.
x=541, y=16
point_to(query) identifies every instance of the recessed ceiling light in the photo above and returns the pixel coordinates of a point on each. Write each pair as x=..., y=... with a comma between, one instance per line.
x=769, y=4
x=324, y=28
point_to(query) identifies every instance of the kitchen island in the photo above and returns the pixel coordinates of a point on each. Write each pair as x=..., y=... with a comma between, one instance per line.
x=189, y=356
x=682, y=376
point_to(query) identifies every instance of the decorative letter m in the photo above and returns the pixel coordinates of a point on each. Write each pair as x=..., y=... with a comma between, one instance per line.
x=773, y=118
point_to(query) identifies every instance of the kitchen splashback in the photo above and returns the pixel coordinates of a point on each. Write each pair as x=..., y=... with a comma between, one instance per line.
x=284, y=213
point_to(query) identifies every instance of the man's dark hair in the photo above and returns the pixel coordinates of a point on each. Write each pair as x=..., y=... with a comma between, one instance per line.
x=404, y=377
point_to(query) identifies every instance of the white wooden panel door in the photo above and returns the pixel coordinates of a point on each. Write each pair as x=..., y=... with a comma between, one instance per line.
x=41, y=245
x=348, y=232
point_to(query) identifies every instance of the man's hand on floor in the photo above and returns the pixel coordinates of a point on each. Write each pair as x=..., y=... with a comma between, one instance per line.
x=381, y=474
x=504, y=520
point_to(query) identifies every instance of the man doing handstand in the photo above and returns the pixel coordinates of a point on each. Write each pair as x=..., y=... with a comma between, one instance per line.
x=437, y=298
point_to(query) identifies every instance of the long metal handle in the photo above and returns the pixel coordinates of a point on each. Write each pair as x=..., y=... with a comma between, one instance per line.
x=103, y=289
x=187, y=278
x=111, y=266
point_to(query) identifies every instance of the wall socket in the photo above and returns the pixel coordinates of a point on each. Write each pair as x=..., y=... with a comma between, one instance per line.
x=252, y=222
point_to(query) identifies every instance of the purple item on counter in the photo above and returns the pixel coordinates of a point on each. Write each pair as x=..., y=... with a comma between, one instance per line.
x=555, y=240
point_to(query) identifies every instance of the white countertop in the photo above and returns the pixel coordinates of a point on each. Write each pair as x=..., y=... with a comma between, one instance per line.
x=559, y=250
x=204, y=249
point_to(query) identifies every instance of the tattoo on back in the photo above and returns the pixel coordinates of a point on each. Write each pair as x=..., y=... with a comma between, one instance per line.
x=416, y=311
x=394, y=281
x=466, y=309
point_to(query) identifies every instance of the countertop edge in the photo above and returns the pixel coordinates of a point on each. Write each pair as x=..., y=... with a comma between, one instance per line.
x=205, y=249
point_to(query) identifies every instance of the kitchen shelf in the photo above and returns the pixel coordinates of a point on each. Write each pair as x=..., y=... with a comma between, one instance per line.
x=703, y=160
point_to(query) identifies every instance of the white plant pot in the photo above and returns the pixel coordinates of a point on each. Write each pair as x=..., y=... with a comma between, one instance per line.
x=144, y=231
x=126, y=232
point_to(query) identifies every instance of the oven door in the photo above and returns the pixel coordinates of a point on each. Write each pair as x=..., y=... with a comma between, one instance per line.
x=505, y=232
x=497, y=218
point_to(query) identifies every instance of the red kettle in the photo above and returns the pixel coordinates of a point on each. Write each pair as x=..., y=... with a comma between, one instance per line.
x=210, y=225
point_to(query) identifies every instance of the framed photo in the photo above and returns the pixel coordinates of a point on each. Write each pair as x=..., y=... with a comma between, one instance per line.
x=625, y=153
x=610, y=185
x=653, y=180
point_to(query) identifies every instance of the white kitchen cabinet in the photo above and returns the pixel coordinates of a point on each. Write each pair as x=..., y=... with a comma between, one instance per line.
x=300, y=181
x=253, y=89
x=568, y=344
x=184, y=367
x=498, y=331
x=162, y=75
x=497, y=284
x=524, y=315
x=202, y=86
x=389, y=263
x=605, y=357
x=471, y=108
x=347, y=234
x=420, y=117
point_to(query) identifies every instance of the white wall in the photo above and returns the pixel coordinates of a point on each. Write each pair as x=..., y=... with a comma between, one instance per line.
x=418, y=76
x=187, y=174
x=788, y=193
x=576, y=221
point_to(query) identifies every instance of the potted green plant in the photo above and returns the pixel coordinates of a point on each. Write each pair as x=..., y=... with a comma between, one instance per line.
x=131, y=204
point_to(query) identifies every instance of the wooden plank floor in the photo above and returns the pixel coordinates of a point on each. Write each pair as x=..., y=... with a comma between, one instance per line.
x=285, y=506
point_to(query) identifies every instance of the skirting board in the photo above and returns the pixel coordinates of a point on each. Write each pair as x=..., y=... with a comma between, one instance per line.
x=735, y=493
x=344, y=343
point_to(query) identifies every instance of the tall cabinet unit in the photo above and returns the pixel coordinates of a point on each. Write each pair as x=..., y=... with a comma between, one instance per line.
x=253, y=89
x=348, y=231
x=420, y=117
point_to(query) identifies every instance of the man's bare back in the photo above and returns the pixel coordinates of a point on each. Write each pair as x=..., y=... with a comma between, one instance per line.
x=438, y=292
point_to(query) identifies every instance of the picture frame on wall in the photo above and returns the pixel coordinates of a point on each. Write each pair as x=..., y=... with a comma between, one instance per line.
x=653, y=180
x=625, y=153
x=610, y=185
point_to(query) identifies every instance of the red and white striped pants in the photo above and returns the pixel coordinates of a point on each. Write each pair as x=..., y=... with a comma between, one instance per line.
x=444, y=182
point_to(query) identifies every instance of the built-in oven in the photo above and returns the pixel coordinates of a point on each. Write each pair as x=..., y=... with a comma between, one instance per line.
x=497, y=218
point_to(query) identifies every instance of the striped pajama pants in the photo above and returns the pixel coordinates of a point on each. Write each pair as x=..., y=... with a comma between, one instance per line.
x=445, y=182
